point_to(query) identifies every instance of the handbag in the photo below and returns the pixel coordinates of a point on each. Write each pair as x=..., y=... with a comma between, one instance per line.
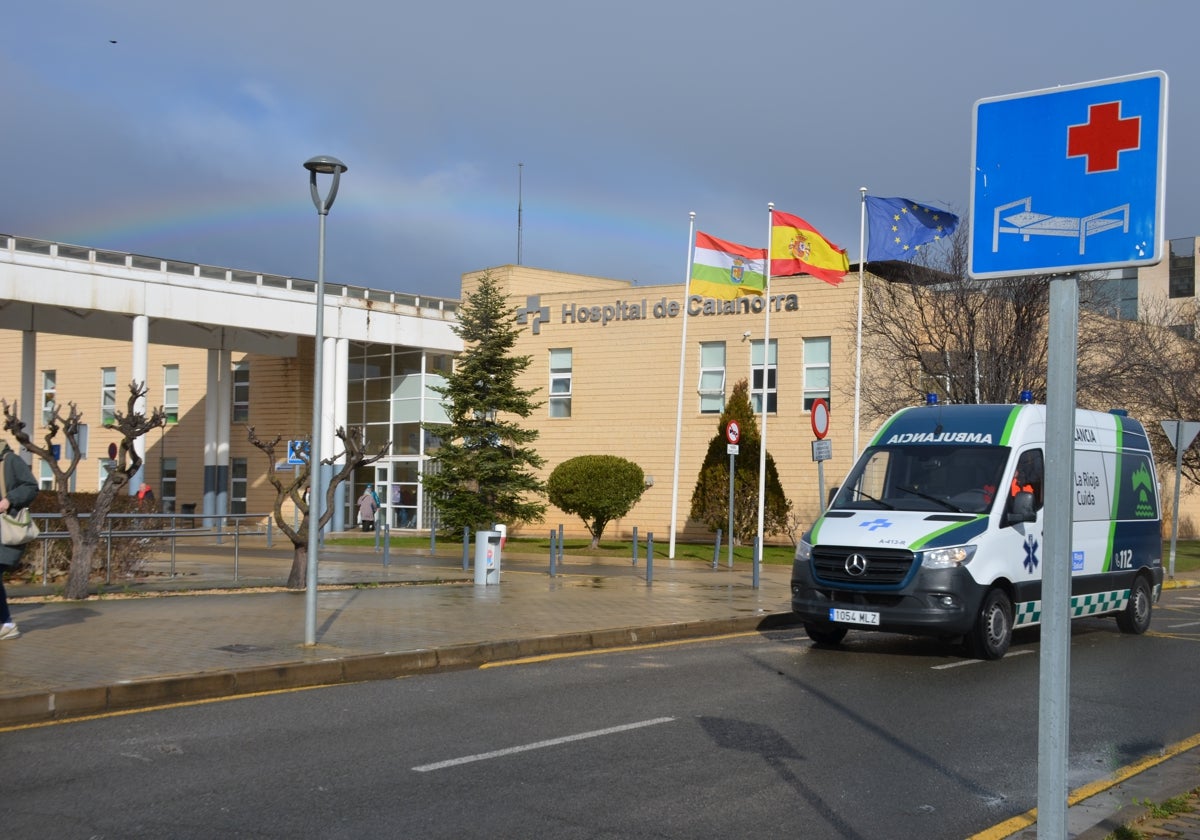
x=15, y=528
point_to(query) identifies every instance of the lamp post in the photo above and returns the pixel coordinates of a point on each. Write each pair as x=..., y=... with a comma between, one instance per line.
x=323, y=165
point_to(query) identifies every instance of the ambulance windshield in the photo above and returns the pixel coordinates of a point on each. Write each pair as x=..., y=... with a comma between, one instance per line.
x=942, y=477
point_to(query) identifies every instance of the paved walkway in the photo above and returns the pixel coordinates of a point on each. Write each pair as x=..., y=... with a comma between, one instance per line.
x=419, y=612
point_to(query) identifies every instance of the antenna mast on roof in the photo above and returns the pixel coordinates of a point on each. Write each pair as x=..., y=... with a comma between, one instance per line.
x=520, y=167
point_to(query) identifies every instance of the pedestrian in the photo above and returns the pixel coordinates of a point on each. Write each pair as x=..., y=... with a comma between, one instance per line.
x=366, y=509
x=21, y=489
x=145, y=496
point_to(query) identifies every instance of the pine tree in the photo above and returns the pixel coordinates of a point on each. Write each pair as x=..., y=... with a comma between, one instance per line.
x=483, y=469
x=710, y=499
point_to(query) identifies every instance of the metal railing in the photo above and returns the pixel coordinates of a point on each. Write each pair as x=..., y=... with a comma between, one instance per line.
x=232, y=524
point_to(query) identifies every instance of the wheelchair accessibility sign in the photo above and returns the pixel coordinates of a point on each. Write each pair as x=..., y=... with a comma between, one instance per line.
x=298, y=451
x=1069, y=179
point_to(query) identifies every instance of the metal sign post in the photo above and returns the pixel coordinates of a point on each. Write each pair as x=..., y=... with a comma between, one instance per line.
x=1181, y=433
x=1065, y=180
x=822, y=450
x=733, y=433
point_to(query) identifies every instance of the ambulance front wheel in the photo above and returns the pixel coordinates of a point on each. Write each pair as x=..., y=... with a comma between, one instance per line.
x=824, y=633
x=992, y=633
x=1135, y=618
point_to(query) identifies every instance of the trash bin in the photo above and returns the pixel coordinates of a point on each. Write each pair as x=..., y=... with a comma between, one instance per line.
x=487, y=558
x=189, y=510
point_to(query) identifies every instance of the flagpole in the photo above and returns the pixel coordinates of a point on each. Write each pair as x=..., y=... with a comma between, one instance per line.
x=679, y=402
x=862, y=261
x=762, y=446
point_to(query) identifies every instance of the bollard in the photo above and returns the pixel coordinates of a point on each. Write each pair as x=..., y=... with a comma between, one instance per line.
x=757, y=560
x=387, y=543
x=552, y=535
x=236, y=552
x=560, y=543
x=466, y=547
x=433, y=538
x=269, y=523
x=649, y=557
x=717, y=548
x=635, y=545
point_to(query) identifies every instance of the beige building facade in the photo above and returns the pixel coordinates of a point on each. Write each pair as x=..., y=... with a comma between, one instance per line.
x=606, y=360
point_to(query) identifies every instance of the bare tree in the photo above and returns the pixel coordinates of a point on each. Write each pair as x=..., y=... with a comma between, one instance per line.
x=1151, y=367
x=87, y=535
x=355, y=457
x=930, y=328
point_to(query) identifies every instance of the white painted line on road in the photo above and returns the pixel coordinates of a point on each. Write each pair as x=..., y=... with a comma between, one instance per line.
x=962, y=662
x=1188, y=624
x=553, y=742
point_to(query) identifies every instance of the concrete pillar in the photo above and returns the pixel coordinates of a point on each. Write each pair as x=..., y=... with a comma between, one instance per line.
x=29, y=403
x=341, y=373
x=211, y=408
x=224, y=400
x=139, y=367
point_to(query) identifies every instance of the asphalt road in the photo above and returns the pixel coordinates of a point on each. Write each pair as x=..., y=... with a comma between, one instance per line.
x=760, y=735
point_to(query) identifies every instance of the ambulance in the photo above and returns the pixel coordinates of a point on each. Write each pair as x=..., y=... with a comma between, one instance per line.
x=937, y=530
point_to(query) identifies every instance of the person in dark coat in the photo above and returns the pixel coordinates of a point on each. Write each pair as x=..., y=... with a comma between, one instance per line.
x=22, y=489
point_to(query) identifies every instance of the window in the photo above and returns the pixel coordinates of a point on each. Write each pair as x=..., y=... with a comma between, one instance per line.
x=560, y=382
x=171, y=392
x=46, y=477
x=712, y=377
x=108, y=395
x=107, y=465
x=168, y=485
x=756, y=377
x=241, y=393
x=816, y=371
x=49, y=395
x=237, y=485
x=1183, y=268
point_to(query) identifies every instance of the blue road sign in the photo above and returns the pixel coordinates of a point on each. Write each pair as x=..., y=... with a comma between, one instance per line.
x=298, y=451
x=1069, y=179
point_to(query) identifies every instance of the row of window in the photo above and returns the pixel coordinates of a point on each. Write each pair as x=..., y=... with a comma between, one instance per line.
x=815, y=377
x=170, y=394
x=238, y=482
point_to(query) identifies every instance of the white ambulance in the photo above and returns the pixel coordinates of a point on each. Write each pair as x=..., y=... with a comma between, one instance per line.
x=937, y=529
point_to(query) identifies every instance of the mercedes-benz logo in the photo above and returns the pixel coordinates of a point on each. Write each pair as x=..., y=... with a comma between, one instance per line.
x=856, y=565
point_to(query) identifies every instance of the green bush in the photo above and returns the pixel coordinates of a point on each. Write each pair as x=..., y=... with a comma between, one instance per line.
x=597, y=488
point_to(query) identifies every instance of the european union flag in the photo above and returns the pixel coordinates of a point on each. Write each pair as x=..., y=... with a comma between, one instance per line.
x=899, y=227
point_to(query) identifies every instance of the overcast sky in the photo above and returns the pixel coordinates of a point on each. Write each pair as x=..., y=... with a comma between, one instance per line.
x=186, y=137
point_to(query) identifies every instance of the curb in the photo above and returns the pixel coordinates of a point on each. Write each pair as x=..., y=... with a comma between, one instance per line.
x=45, y=707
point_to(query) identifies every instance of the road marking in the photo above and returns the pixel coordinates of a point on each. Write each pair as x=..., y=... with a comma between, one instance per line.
x=1188, y=624
x=553, y=742
x=962, y=662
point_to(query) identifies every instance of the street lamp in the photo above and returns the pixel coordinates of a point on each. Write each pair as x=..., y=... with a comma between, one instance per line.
x=319, y=165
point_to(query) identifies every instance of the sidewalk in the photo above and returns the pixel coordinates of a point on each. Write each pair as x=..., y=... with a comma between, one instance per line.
x=419, y=613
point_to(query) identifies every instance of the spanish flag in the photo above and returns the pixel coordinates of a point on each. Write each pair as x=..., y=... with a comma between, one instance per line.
x=797, y=248
x=726, y=270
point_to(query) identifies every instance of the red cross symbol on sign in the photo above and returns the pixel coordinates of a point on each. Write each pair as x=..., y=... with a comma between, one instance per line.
x=1103, y=137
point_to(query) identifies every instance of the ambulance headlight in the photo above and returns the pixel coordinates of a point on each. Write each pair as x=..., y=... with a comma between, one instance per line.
x=803, y=550
x=946, y=558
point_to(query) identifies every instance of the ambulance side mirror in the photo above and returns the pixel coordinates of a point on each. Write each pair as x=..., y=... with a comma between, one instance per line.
x=1021, y=509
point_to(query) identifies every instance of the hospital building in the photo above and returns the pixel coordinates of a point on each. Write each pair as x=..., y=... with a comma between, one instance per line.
x=224, y=350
